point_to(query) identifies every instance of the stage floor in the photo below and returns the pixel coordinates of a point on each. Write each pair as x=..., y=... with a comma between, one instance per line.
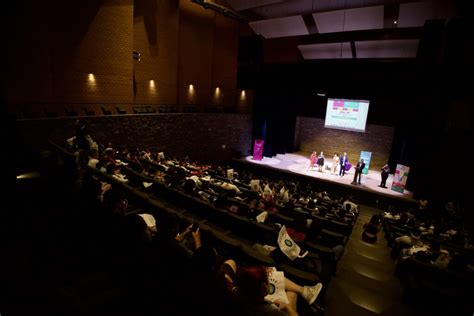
x=299, y=163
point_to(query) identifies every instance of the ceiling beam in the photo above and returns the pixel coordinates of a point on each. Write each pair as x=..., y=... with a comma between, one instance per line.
x=310, y=24
x=364, y=35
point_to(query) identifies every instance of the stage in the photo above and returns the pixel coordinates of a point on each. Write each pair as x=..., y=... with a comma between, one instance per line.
x=299, y=163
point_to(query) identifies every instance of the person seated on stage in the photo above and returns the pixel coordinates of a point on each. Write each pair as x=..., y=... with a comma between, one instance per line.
x=252, y=288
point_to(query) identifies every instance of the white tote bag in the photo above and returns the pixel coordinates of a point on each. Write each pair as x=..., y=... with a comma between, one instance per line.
x=288, y=246
x=276, y=286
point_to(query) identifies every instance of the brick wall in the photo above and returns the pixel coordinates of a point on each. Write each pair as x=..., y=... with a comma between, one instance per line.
x=54, y=50
x=376, y=139
x=156, y=38
x=201, y=135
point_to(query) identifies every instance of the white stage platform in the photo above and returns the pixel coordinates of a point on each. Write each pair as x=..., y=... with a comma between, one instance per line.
x=299, y=163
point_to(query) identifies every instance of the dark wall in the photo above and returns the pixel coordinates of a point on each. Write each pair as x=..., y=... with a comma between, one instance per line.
x=200, y=135
x=78, y=54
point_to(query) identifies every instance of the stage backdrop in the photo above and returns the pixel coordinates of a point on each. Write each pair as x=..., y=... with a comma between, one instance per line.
x=313, y=136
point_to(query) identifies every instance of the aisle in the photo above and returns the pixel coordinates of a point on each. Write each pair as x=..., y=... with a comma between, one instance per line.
x=364, y=283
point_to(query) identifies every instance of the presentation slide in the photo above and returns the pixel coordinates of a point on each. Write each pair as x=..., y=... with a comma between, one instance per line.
x=350, y=115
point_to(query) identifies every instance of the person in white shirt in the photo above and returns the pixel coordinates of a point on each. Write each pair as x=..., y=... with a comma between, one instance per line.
x=93, y=159
x=354, y=208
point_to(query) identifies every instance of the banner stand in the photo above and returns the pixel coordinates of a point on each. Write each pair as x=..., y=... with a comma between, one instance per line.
x=258, y=149
x=400, y=178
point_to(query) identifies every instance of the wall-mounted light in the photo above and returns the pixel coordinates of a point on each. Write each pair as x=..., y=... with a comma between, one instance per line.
x=395, y=22
x=217, y=92
x=152, y=86
x=91, y=82
x=242, y=95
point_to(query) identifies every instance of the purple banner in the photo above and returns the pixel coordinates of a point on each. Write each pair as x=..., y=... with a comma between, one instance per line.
x=258, y=149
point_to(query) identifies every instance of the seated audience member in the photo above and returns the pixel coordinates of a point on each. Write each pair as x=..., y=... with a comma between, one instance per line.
x=443, y=260
x=230, y=187
x=298, y=230
x=213, y=279
x=422, y=204
x=269, y=204
x=371, y=229
x=267, y=191
x=189, y=186
x=93, y=159
x=311, y=204
x=409, y=239
x=352, y=208
x=252, y=288
x=108, y=157
x=115, y=171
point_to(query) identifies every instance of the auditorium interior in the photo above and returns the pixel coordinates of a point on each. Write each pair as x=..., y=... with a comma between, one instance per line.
x=158, y=157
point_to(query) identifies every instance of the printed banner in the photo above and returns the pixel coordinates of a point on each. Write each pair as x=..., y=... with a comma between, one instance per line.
x=400, y=178
x=258, y=149
x=366, y=155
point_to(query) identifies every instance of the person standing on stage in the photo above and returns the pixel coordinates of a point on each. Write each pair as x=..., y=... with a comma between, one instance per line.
x=358, y=171
x=343, y=160
x=312, y=160
x=384, y=175
x=320, y=162
x=335, y=162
